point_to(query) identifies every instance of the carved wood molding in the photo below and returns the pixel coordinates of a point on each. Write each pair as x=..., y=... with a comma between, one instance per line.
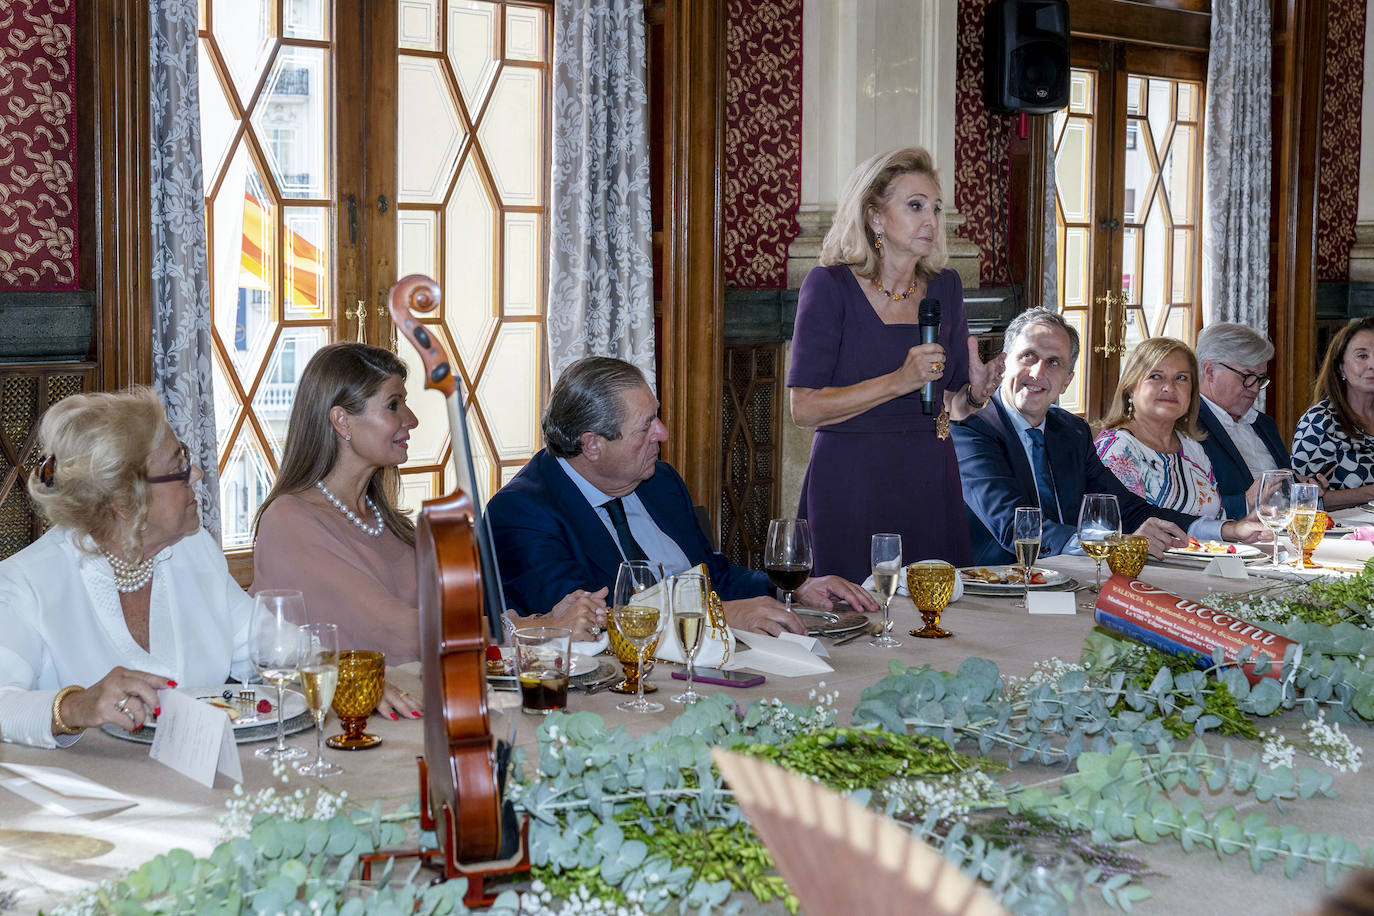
x=692, y=287
x=1299, y=30
x=113, y=153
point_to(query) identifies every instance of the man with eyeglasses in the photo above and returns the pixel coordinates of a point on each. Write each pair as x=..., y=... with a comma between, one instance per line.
x=1241, y=442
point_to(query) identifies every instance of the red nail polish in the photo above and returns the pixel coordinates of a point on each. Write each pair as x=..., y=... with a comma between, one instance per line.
x=171, y=683
x=139, y=728
x=158, y=711
x=415, y=715
x=395, y=718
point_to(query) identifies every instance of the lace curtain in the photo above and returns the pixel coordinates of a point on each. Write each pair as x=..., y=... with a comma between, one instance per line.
x=1235, y=160
x=1049, y=281
x=601, y=267
x=180, y=279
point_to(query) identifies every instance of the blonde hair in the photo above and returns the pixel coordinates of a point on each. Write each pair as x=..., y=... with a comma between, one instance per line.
x=1145, y=357
x=99, y=446
x=850, y=239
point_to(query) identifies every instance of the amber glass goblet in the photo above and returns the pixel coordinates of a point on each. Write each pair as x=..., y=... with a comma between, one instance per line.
x=362, y=674
x=628, y=656
x=1127, y=553
x=931, y=584
x=1312, y=539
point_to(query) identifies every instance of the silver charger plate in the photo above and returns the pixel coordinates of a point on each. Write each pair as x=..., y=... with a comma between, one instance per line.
x=250, y=735
x=832, y=623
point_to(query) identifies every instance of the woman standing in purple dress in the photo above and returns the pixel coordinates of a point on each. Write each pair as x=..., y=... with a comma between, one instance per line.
x=878, y=462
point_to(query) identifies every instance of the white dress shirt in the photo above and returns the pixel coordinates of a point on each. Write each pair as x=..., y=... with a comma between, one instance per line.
x=1248, y=442
x=64, y=625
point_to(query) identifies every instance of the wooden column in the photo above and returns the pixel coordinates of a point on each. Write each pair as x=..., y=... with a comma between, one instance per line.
x=692, y=325
x=1299, y=33
x=113, y=174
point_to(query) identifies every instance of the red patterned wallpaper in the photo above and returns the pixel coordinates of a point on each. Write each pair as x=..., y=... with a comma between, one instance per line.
x=37, y=145
x=1338, y=183
x=975, y=131
x=762, y=140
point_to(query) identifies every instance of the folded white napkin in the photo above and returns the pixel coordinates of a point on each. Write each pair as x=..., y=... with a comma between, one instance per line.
x=1343, y=553
x=592, y=646
x=717, y=643
x=786, y=655
x=902, y=590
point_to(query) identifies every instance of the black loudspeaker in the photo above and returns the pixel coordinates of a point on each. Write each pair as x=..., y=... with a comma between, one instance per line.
x=1026, y=55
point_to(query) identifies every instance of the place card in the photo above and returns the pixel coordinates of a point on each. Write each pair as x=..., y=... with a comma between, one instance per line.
x=1228, y=566
x=62, y=792
x=1045, y=602
x=195, y=739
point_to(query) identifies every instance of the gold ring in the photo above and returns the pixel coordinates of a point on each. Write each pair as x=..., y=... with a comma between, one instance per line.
x=937, y=366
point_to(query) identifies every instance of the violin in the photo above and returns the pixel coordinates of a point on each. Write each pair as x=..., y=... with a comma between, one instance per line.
x=460, y=606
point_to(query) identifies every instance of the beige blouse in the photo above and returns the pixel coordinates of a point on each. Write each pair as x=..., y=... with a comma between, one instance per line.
x=366, y=585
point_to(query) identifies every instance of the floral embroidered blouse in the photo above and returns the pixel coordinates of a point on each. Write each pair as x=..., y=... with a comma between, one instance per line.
x=1182, y=480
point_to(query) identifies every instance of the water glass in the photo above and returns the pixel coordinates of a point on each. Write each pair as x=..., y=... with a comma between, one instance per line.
x=639, y=624
x=931, y=584
x=362, y=677
x=1099, y=520
x=1274, y=504
x=275, y=646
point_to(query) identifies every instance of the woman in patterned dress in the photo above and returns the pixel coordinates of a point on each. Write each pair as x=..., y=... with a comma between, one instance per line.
x=1335, y=438
x=1150, y=438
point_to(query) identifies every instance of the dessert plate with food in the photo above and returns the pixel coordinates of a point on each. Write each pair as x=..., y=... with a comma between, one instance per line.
x=252, y=711
x=1204, y=551
x=501, y=666
x=1009, y=580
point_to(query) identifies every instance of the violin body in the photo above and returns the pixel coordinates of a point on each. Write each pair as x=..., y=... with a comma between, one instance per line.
x=460, y=751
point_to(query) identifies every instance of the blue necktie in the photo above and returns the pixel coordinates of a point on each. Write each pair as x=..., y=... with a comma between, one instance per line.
x=1049, y=506
x=628, y=545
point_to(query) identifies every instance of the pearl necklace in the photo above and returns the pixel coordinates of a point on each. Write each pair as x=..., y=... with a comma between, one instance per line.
x=374, y=530
x=129, y=577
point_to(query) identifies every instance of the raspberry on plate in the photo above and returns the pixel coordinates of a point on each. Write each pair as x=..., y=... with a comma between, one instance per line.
x=264, y=706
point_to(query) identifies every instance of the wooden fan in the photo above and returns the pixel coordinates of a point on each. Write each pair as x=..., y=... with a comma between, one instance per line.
x=839, y=857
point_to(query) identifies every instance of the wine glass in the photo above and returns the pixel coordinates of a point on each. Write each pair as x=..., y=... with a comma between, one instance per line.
x=787, y=555
x=1304, y=498
x=319, y=678
x=639, y=623
x=690, y=597
x=1026, y=536
x=885, y=553
x=275, y=647
x=1099, y=520
x=1274, y=506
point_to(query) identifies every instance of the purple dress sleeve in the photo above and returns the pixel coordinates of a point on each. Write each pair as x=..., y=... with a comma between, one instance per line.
x=819, y=329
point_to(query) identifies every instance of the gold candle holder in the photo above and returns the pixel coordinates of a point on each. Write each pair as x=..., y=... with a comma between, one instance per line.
x=362, y=675
x=1127, y=553
x=931, y=585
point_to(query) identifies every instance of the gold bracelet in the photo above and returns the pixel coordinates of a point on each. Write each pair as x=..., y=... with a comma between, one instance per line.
x=968, y=396
x=60, y=727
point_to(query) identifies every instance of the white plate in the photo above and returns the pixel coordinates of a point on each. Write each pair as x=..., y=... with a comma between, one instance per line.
x=581, y=664
x=1244, y=551
x=291, y=699
x=1053, y=578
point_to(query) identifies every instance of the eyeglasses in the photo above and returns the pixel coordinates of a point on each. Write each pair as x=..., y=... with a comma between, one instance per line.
x=181, y=476
x=1250, y=379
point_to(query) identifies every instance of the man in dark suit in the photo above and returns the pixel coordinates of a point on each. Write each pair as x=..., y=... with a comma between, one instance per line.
x=597, y=494
x=1241, y=442
x=1021, y=450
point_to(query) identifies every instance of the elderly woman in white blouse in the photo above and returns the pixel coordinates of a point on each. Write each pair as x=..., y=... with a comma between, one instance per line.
x=1151, y=441
x=126, y=594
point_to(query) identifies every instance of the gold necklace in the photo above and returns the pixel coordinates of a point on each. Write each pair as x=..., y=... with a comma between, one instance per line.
x=895, y=297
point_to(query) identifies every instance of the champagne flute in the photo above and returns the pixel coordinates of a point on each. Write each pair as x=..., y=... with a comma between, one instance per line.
x=1099, y=520
x=885, y=553
x=1274, y=505
x=640, y=622
x=1304, y=516
x=1026, y=536
x=690, y=597
x=787, y=555
x=275, y=647
x=319, y=678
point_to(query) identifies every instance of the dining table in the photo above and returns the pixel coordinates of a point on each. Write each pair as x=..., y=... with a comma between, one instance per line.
x=46, y=857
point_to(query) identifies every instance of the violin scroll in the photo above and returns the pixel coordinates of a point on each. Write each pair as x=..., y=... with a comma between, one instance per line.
x=421, y=294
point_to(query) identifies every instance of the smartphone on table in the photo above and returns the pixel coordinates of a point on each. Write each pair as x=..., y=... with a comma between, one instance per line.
x=721, y=678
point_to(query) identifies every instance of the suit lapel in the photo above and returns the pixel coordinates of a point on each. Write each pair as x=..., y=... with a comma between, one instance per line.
x=1212, y=425
x=600, y=550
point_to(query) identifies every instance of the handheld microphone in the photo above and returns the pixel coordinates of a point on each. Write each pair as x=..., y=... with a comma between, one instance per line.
x=928, y=317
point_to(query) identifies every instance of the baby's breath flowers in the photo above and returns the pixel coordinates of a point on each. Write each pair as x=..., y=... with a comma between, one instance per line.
x=1321, y=740
x=301, y=805
x=1046, y=671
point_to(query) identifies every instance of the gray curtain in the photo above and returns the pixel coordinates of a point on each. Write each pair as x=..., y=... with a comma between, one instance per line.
x=600, y=256
x=180, y=278
x=1235, y=160
x=1049, y=281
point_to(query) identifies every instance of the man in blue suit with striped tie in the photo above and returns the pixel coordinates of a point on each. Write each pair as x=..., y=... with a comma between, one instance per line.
x=597, y=494
x=1021, y=450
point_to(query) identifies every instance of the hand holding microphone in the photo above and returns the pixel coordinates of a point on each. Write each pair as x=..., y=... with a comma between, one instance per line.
x=928, y=317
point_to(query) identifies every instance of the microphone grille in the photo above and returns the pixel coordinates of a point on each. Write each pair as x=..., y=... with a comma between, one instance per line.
x=929, y=311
